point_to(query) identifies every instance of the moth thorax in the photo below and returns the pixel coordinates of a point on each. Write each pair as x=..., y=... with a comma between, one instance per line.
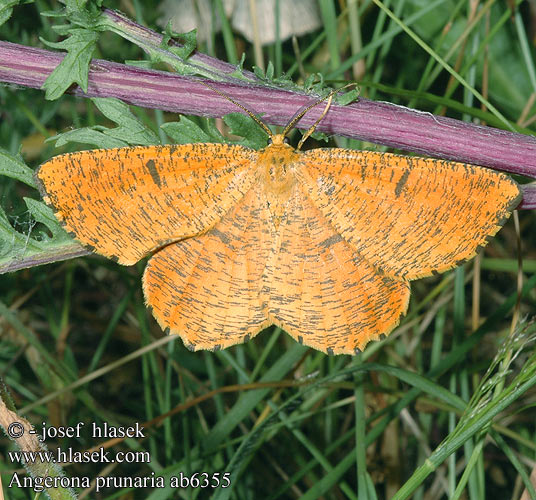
x=277, y=168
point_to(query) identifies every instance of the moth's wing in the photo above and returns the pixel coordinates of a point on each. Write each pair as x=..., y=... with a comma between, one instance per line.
x=126, y=202
x=208, y=289
x=409, y=217
x=322, y=292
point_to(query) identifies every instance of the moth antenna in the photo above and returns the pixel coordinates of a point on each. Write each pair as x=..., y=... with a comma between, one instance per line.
x=241, y=106
x=315, y=124
x=300, y=114
x=290, y=125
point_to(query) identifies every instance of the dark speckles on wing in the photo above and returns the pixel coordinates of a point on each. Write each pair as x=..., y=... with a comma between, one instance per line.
x=125, y=201
x=349, y=215
x=323, y=293
x=154, y=172
x=407, y=216
x=222, y=236
x=332, y=240
x=401, y=182
x=208, y=289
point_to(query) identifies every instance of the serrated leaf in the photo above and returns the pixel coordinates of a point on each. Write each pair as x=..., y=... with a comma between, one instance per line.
x=43, y=214
x=13, y=166
x=244, y=126
x=129, y=128
x=348, y=97
x=185, y=131
x=74, y=68
x=6, y=9
x=130, y=131
x=89, y=136
x=187, y=40
x=87, y=19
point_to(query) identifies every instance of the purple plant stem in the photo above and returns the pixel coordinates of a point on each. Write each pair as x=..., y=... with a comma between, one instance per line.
x=377, y=122
x=63, y=252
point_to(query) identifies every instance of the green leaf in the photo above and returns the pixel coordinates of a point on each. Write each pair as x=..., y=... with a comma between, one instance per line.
x=286, y=82
x=13, y=243
x=244, y=126
x=13, y=166
x=75, y=5
x=25, y=249
x=90, y=136
x=88, y=19
x=75, y=65
x=17, y=248
x=186, y=131
x=314, y=82
x=307, y=84
x=214, y=133
x=270, y=71
x=187, y=40
x=320, y=136
x=43, y=214
x=239, y=69
x=53, y=14
x=129, y=129
x=6, y=9
x=259, y=73
x=347, y=97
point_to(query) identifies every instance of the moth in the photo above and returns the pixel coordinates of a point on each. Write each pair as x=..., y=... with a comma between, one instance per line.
x=322, y=243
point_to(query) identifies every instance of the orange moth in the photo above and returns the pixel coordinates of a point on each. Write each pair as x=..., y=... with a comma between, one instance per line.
x=322, y=243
